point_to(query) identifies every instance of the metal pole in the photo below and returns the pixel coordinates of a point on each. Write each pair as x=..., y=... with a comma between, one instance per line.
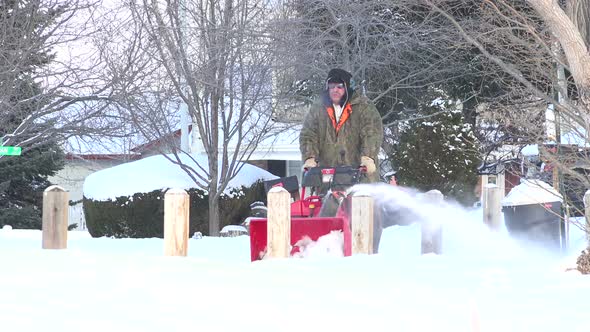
x=562, y=87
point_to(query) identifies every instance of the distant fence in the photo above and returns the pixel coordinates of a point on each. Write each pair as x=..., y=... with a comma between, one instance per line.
x=57, y=214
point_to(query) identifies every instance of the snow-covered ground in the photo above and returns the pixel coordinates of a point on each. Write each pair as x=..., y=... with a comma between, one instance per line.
x=482, y=282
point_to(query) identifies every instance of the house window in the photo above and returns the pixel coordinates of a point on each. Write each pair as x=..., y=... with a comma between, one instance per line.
x=284, y=168
x=294, y=168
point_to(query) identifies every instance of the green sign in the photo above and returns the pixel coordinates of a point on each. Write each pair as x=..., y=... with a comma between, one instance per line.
x=10, y=150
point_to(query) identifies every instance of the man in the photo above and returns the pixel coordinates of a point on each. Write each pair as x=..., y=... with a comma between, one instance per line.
x=343, y=128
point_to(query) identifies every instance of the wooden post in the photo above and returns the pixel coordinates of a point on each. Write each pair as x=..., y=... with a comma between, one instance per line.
x=431, y=230
x=176, y=222
x=492, y=207
x=55, y=218
x=484, y=182
x=278, y=230
x=587, y=214
x=362, y=224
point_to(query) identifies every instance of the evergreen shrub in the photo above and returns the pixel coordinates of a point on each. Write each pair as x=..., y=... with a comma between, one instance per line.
x=440, y=152
x=28, y=217
x=22, y=182
x=142, y=215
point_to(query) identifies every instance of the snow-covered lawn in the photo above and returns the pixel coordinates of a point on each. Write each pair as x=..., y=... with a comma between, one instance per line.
x=482, y=282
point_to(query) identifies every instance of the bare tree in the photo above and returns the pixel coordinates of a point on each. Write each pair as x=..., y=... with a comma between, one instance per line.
x=393, y=57
x=50, y=91
x=397, y=51
x=210, y=58
x=541, y=46
x=579, y=12
x=572, y=41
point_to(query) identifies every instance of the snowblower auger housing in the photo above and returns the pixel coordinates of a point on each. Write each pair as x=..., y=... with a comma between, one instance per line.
x=317, y=182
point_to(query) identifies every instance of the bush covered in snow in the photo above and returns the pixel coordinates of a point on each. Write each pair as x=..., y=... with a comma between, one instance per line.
x=142, y=214
x=127, y=200
x=28, y=217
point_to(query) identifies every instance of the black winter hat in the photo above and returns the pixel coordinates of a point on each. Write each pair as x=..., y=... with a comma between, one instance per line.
x=338, y=75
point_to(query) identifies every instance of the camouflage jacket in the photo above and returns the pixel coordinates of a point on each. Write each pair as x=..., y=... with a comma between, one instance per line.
x=359, y=133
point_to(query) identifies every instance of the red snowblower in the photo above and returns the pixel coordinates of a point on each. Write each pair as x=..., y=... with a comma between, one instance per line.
x=317, y=183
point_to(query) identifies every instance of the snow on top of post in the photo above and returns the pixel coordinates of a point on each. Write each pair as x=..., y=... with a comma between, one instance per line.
x=277, y=189
x=54, y=188
x=176, y=191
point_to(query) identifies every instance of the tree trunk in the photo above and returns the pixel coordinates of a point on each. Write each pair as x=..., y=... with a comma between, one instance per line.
x=574, y=46
x=213, y=193
x=213, y=214
x=579, y=12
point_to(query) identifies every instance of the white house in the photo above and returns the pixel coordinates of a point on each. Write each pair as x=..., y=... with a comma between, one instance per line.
x=279, y=154
x=83, y=157
x=77, y=168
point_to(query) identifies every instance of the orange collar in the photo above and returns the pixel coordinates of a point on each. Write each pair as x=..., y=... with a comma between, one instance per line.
x=345, y=115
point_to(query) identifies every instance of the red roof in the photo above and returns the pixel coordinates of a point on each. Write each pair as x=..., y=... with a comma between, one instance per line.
x=111, y=156
x=157, y=142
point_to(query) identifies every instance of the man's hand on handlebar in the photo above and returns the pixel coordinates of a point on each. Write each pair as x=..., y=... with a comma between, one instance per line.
x=368, y=164
x=309, y=163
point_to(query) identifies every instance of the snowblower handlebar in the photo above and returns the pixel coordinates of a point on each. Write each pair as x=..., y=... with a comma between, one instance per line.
x=332, y=169
x=334, y=175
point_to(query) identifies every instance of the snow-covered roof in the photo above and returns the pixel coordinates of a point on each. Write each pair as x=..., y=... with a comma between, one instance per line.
x=101, y=145
x=157, y=172
x=531, y=192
